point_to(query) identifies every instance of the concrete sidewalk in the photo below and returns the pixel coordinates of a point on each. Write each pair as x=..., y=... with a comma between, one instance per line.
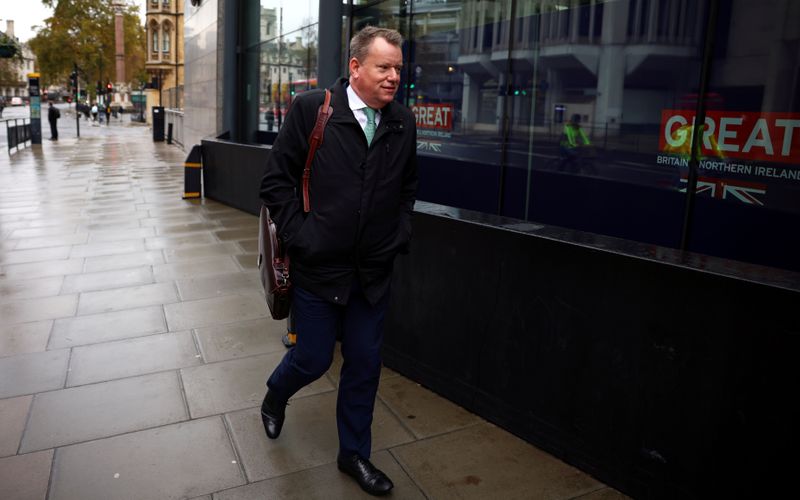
x=135, y=342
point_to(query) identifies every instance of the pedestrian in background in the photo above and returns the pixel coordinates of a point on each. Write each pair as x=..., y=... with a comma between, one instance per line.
x=107, y=112
x=53, y=114
x=362, y=191
x=94, y=112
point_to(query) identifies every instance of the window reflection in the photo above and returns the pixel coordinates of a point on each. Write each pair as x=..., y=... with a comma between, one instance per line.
x=579, y=113
x=288, y=59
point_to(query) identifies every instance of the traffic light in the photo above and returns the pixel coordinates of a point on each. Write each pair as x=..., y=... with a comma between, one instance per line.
x=109, y=88
x=73, y=79
x=99, y=88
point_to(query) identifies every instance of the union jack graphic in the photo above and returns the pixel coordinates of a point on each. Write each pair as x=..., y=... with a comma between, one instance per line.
x=725, y=189
x=429, y=146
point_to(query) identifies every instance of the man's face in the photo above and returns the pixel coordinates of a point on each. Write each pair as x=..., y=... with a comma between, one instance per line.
x=377, y=78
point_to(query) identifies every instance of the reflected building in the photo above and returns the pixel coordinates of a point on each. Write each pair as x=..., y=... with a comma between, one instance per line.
x=494, y=83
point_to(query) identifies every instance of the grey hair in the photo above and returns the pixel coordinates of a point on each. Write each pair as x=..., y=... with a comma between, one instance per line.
x=359, y=44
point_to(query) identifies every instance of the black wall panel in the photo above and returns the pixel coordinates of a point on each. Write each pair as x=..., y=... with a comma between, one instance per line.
x=232, y=173
x=664, y=380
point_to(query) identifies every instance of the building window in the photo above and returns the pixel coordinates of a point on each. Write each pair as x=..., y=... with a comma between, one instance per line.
x=165, y=40
x=155, y=39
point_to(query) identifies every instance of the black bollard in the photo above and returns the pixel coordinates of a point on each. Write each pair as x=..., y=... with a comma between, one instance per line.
x=192, y=172
x=169, y=133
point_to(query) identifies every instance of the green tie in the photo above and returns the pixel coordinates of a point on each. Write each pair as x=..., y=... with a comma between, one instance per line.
x=369, y=130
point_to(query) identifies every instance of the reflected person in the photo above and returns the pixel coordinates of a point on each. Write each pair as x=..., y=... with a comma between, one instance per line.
x=362, y=191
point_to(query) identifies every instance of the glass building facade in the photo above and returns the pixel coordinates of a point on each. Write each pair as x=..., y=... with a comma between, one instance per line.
x=581, y=113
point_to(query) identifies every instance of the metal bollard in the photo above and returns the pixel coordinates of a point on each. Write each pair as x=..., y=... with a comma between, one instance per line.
x=169, y=133
x=192, y=172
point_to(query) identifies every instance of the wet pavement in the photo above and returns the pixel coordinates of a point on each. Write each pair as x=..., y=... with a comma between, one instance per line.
x=135, y=342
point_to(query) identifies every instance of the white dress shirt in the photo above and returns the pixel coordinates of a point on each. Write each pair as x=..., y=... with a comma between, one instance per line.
x=357, y=106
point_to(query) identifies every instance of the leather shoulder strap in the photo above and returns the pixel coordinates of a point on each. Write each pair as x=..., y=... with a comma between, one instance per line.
x=314, y=142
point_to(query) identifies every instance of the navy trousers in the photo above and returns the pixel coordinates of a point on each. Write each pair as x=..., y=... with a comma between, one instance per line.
x=317, y=322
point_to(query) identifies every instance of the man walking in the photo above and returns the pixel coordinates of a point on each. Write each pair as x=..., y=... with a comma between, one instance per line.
x=53, y=114
x=362, y=191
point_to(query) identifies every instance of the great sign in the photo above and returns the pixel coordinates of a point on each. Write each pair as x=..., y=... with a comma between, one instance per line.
x=770, y=137
x=434, y=116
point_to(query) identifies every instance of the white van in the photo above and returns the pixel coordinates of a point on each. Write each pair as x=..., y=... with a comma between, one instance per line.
x=16, y=101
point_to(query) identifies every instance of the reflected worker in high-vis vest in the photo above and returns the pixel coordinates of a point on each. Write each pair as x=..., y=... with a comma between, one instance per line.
x=572, y=138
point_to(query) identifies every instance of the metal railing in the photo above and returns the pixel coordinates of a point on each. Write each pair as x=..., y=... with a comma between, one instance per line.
x=18, y=133
x=172, y=97
x=174, y=117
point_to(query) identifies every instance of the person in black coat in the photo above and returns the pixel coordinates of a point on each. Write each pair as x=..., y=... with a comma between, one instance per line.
x=362, y=191
x=53, y=114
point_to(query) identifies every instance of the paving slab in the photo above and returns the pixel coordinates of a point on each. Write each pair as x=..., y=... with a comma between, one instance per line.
x=35, y=255
x=23, y=311
x=425, y=413
x=199, y=252
x=247, y=261
x=178, y=229
x=31, y=373
x=236, y=384
x=484, y=461
x=237, y=220
x=25, y=477
x=127, y=298
x=171, y=220
x=52, y=241
x=203, y=287
x=248, y=246
x=182, y=460
x=180, y=241
x=109, y=262
x=127, y=358
x=172, y=211
x=325, y=482
x=44, y=229
x=24, y=338
x=215, y=311
x=120, y=234
x=245, y=338
x=94, y=328
x=105, y=280
x=107, y=248
x=119, y=223
x=13, y=415
x=30, y=288
x=238, y=234
x=308, y=439
x=95, y=411
x=42, y=269
x=195, y=268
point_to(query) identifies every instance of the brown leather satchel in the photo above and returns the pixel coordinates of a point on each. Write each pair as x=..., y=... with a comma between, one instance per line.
x=273, y=261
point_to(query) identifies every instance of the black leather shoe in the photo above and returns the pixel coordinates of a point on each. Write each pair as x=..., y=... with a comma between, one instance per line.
x=273, y=412
x=371, y=480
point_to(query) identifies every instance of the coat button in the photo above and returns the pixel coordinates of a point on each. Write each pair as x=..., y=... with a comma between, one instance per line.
x=336, y=298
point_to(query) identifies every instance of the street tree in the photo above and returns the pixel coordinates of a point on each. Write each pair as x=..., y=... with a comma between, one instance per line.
x=82, y=32
x=10, y=59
